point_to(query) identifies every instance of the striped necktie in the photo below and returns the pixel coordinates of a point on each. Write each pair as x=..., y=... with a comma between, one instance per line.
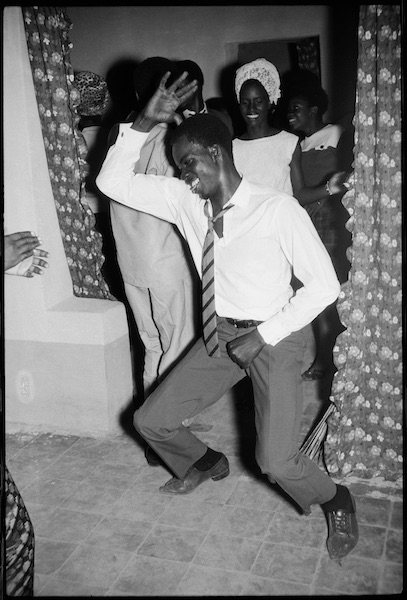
x=210, y=334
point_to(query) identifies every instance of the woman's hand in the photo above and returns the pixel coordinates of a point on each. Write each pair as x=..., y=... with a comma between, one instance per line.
x=21, y=245
x=339, y=182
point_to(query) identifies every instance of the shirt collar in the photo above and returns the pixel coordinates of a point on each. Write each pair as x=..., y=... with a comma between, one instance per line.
x=191, y=113
x=241, y=197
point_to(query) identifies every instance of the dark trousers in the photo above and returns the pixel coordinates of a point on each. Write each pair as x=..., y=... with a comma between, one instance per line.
x=199, y=381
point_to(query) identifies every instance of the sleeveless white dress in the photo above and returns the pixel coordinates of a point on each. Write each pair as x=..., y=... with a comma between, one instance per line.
x=267, y=160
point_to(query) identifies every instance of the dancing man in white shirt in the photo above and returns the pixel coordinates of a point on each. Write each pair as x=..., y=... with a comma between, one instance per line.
x=262, y=237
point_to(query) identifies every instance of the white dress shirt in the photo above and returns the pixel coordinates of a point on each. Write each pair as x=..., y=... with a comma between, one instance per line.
x=267, y=235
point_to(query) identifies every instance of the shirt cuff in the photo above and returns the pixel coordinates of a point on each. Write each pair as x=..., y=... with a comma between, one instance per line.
x=128, y=136
x=272, y=333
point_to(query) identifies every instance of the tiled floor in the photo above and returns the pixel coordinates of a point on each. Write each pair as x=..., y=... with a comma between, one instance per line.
x=103, y=529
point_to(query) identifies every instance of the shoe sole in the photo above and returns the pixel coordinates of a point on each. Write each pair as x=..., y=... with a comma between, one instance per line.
x=223, y=473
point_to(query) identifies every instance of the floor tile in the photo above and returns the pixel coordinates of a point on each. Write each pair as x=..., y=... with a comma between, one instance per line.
x=373, y=511
x=228, y=552
x=39, y=514
x=261, y=586
x=297, y=530
x=140, y=506
x=396, y=521
x=208, y=581
x=57, y=587
x=116, y=533
x=354, y=575
x=94, y=566
x=371, y=542
x=287, y=562
x=14, y=442
x=50, y=555
x=30, y=465
x=67, y=525
x=127, y=454
x=113, y=475
x=243, y=521
x=22, y=479
x=190, y=513
x=250, y=492
x=394, y=545
x=172, y=543
x=149, y=479
x=149, y=576
x=392, y=579
x=93, y=448
x=71, y=467
x=91, y=499
x=50, y=492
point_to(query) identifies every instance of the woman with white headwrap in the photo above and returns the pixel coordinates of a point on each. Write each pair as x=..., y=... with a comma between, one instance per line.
x=263, y=153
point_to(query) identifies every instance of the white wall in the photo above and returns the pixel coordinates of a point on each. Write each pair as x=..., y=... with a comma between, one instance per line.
x=103, y=35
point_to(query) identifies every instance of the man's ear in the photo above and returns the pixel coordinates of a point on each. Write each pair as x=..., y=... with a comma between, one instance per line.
x=314, y=110
x=215, y=152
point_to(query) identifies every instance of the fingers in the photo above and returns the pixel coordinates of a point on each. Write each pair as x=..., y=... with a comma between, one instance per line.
x=186, y=91
x=39, y=262
x=164, y=79
x=39, y=252
x=175, y=85
x=177, y=88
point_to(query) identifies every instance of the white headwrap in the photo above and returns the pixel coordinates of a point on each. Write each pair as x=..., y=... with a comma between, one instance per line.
x=263, y=71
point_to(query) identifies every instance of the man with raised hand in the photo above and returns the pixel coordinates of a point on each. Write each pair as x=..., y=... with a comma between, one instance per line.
x=257, y=239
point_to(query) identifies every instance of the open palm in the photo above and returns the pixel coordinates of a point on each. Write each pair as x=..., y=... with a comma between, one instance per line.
x=163, y=104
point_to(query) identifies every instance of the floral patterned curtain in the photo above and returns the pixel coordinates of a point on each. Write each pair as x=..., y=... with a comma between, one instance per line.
x=46, y=29
x=365, y=438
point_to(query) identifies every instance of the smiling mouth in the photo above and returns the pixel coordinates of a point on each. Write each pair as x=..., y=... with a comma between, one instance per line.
x=194, y=184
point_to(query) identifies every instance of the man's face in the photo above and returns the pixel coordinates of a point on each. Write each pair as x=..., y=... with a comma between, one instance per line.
x=198, y=167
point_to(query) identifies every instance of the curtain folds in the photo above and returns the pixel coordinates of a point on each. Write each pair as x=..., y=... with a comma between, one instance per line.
x=365, y=437
x=47, y=33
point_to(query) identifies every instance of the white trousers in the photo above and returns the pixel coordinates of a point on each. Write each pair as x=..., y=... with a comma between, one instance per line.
x=166, y=318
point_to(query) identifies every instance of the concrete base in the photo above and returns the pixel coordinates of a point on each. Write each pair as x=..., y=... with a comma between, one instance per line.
x=78, y=378
x=48, y=387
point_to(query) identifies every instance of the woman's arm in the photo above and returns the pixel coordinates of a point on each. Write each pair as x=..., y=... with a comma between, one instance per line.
x=307, y=195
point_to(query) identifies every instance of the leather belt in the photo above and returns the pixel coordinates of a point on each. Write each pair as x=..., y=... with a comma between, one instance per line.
x=245, y=323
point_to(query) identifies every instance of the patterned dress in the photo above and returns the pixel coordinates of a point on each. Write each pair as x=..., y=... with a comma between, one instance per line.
x=20, y=543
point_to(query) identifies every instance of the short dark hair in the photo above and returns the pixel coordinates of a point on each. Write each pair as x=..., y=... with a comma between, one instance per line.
x=206, y=130
x=147, y=76
x=194, y=71
x=306, y=84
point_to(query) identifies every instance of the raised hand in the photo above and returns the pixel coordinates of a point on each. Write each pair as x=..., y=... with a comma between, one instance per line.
x=162, y=106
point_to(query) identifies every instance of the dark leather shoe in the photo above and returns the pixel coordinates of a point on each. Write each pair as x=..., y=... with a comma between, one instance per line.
x=193, y=478
x=343, y=531
x=152, y=457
